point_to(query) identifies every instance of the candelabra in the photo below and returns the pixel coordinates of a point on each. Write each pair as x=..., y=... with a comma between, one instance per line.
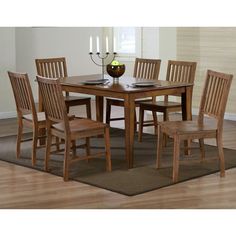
x=102, y=58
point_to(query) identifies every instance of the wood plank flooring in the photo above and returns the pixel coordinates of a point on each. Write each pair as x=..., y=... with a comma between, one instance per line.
x=26, y=188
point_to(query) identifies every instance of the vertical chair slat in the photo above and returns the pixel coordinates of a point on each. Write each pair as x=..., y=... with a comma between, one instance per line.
x=146, y=68
x=22, y=94
x=53, y=99
x=215, y=94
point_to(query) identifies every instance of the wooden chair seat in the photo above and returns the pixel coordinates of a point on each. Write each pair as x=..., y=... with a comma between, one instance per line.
x=177, y=71
x=192, y=128
x=213, y=103
x=40, y=116
x=119, y=102
x=160, y=105
x=80, y=125
x=74, y=98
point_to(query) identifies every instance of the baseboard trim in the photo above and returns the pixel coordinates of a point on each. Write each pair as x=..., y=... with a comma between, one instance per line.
x=7, y=115
x=228, y=116
x=13, y=114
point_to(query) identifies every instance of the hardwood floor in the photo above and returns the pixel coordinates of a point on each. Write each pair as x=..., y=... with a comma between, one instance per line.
x=26, y=188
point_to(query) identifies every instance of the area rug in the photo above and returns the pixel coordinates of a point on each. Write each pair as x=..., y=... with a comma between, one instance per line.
x=142, y=178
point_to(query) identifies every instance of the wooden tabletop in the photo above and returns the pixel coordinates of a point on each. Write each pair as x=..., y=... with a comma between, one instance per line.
x=123, y=86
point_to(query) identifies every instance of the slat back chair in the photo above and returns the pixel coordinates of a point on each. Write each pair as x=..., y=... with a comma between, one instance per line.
x=26, y=111
x=53, y=100
x=177, y=71
x=213, y=104
x=23, y=94
x=146, y=68
x=69, y=129
x=52, y=67
x=56, y=68
x=180, y=71
x=143, y=69
x=214, y=98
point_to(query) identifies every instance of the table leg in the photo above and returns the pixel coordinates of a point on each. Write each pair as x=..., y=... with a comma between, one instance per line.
x=99, y=108
x=129, y=129
x=187, y=113
x=189, y=103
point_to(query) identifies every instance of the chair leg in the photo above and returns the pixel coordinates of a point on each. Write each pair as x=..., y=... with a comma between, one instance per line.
x=48, y=149
x=108, y=113
x=159, y=146
x=221, y=155
x=88, y=147
x=73, y=147
x=141, y=116
x=135, y=120
x=176, y=158
x=165, y=118
x=42, y=132
x=154, y=114
x=67, y=108
x=57, y=144
x=34, y=145
x=108, y=149
x=66, y=160
x=19, y=136
x=202, y=148
x=88, y=110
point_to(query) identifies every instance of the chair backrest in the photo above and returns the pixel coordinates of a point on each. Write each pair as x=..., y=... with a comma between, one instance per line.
x=147, y=68
x=215, y=95
x=51, y=67
x=53, y=100
x=23, y=94
x=181, y=71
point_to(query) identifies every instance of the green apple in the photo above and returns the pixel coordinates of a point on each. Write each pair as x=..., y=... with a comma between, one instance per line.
x=116, y=63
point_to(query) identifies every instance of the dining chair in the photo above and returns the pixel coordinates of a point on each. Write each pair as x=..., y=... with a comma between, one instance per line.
x=56, y=68
x=26, y=112
x=143, y=69
x=213, y=103
x=177, y=71
x=59, y=125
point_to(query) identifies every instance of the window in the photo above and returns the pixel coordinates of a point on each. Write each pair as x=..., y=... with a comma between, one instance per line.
x=127, y=41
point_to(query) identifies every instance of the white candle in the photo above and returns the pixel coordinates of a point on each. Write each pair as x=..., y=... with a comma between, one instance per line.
x=90, y=44
x=107, y=50
x=97, y=44
x=114, y=44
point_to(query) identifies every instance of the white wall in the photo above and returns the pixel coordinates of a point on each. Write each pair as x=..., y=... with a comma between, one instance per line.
x=69, y=42
x=7, y=62
x=167, y=48
x=150, y=42
x=19, y=47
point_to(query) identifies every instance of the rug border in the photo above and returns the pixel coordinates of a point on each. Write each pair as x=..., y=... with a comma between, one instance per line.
x=117, y=192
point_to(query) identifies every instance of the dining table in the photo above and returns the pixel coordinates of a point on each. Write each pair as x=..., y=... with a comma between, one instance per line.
x=124, y=88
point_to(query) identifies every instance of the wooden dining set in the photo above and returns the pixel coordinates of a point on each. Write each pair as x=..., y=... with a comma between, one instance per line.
x=52, y=121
